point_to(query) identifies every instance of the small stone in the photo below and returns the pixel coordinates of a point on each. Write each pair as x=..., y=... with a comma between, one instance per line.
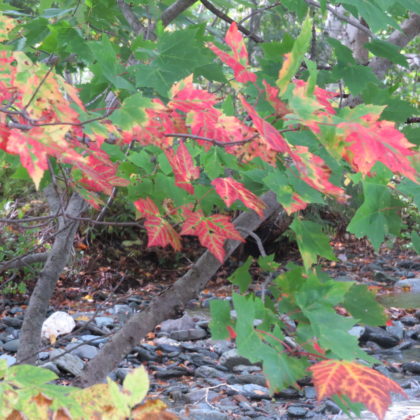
x=232, y=358
x=411, y=265
x=309, y=392
x=12, y=322
x=187, y=335
x=168, y=348
x=413, y=367
x=175, y=372
x=380, y=336
x=251, y=391
x=15, y=310
x=396, y=329
x=288, y=393
x=11, y=346
x=412, y=284
x=121, y=373
x=10, y=360
x=198, y=395
x=184, y=323
x=84, y=351
x=246, y=369
x=332, y=407
x=68, y=362
x=145, y=355
x=382, y=277
x=248, y=379
x=208, y=372
x=92, y=339
x=357, y=331
x=43, y=355
x=297, y=411
x=204, y=414
x=409, y=320
x=52, y=367
x=382, y=369
x=104, y=321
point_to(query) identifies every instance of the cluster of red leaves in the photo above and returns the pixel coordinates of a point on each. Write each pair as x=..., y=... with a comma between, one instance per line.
x=42, y=123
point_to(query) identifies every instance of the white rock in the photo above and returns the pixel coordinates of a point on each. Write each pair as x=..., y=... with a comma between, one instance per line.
x=56, y=324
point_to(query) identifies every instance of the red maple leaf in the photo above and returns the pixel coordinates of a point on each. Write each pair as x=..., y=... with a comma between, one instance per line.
x=269, y=133
x=272, y=94
x=186, y=98
x=159, y=230
x=231, y=190
x=212, y=231
x=313, y=170
x=239, y=61
x=377, y=141
x=183, y=166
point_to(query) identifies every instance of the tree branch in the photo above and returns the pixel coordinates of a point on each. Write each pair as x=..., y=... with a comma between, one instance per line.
x=24, y=261
x=165, y=305
x=410, y=28
x=350, y=20
x=174, y=10
x=227, y=19
x=137, y=27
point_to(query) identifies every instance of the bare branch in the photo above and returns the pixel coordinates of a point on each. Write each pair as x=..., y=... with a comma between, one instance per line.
x=174, y=10
x=410, y=28
x=257, y=11
x=227, y=19
x=137, y=27
x=350, y=20
x=216, y=142
x=24, y=261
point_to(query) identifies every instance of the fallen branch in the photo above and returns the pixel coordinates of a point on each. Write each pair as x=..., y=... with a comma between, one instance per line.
x=168, y=304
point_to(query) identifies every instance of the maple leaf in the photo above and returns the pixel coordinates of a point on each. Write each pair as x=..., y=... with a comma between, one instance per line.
x=99, y=175
x=6, y=25
x=187, y=98
x=359, y=383
x=296, y=205
x=377, y=141
x=269, y=133
x=212, y=231
x=183, y=166
x=272, y=94
x=239, y=61
x=231, y=190
x=315, y=172
x=159, y=230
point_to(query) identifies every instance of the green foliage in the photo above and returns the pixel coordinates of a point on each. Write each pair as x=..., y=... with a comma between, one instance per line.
x=304, y=153
x=29, y=391
x=300, y=305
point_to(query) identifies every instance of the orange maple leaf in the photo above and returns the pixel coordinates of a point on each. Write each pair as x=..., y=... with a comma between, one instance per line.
x=359, y=383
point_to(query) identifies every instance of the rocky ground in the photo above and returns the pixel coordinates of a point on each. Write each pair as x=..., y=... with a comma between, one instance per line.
x=203, y=379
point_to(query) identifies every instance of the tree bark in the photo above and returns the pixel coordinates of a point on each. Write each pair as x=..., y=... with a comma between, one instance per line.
x=166, y=305
x=30, y=337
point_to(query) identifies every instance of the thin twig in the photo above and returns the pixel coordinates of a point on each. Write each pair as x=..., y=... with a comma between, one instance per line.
x=216, y=142
x=227, y=19
x=39, y=86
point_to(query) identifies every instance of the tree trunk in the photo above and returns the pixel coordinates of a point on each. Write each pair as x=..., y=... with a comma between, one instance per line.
x=166, y=305
x=30, y=336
